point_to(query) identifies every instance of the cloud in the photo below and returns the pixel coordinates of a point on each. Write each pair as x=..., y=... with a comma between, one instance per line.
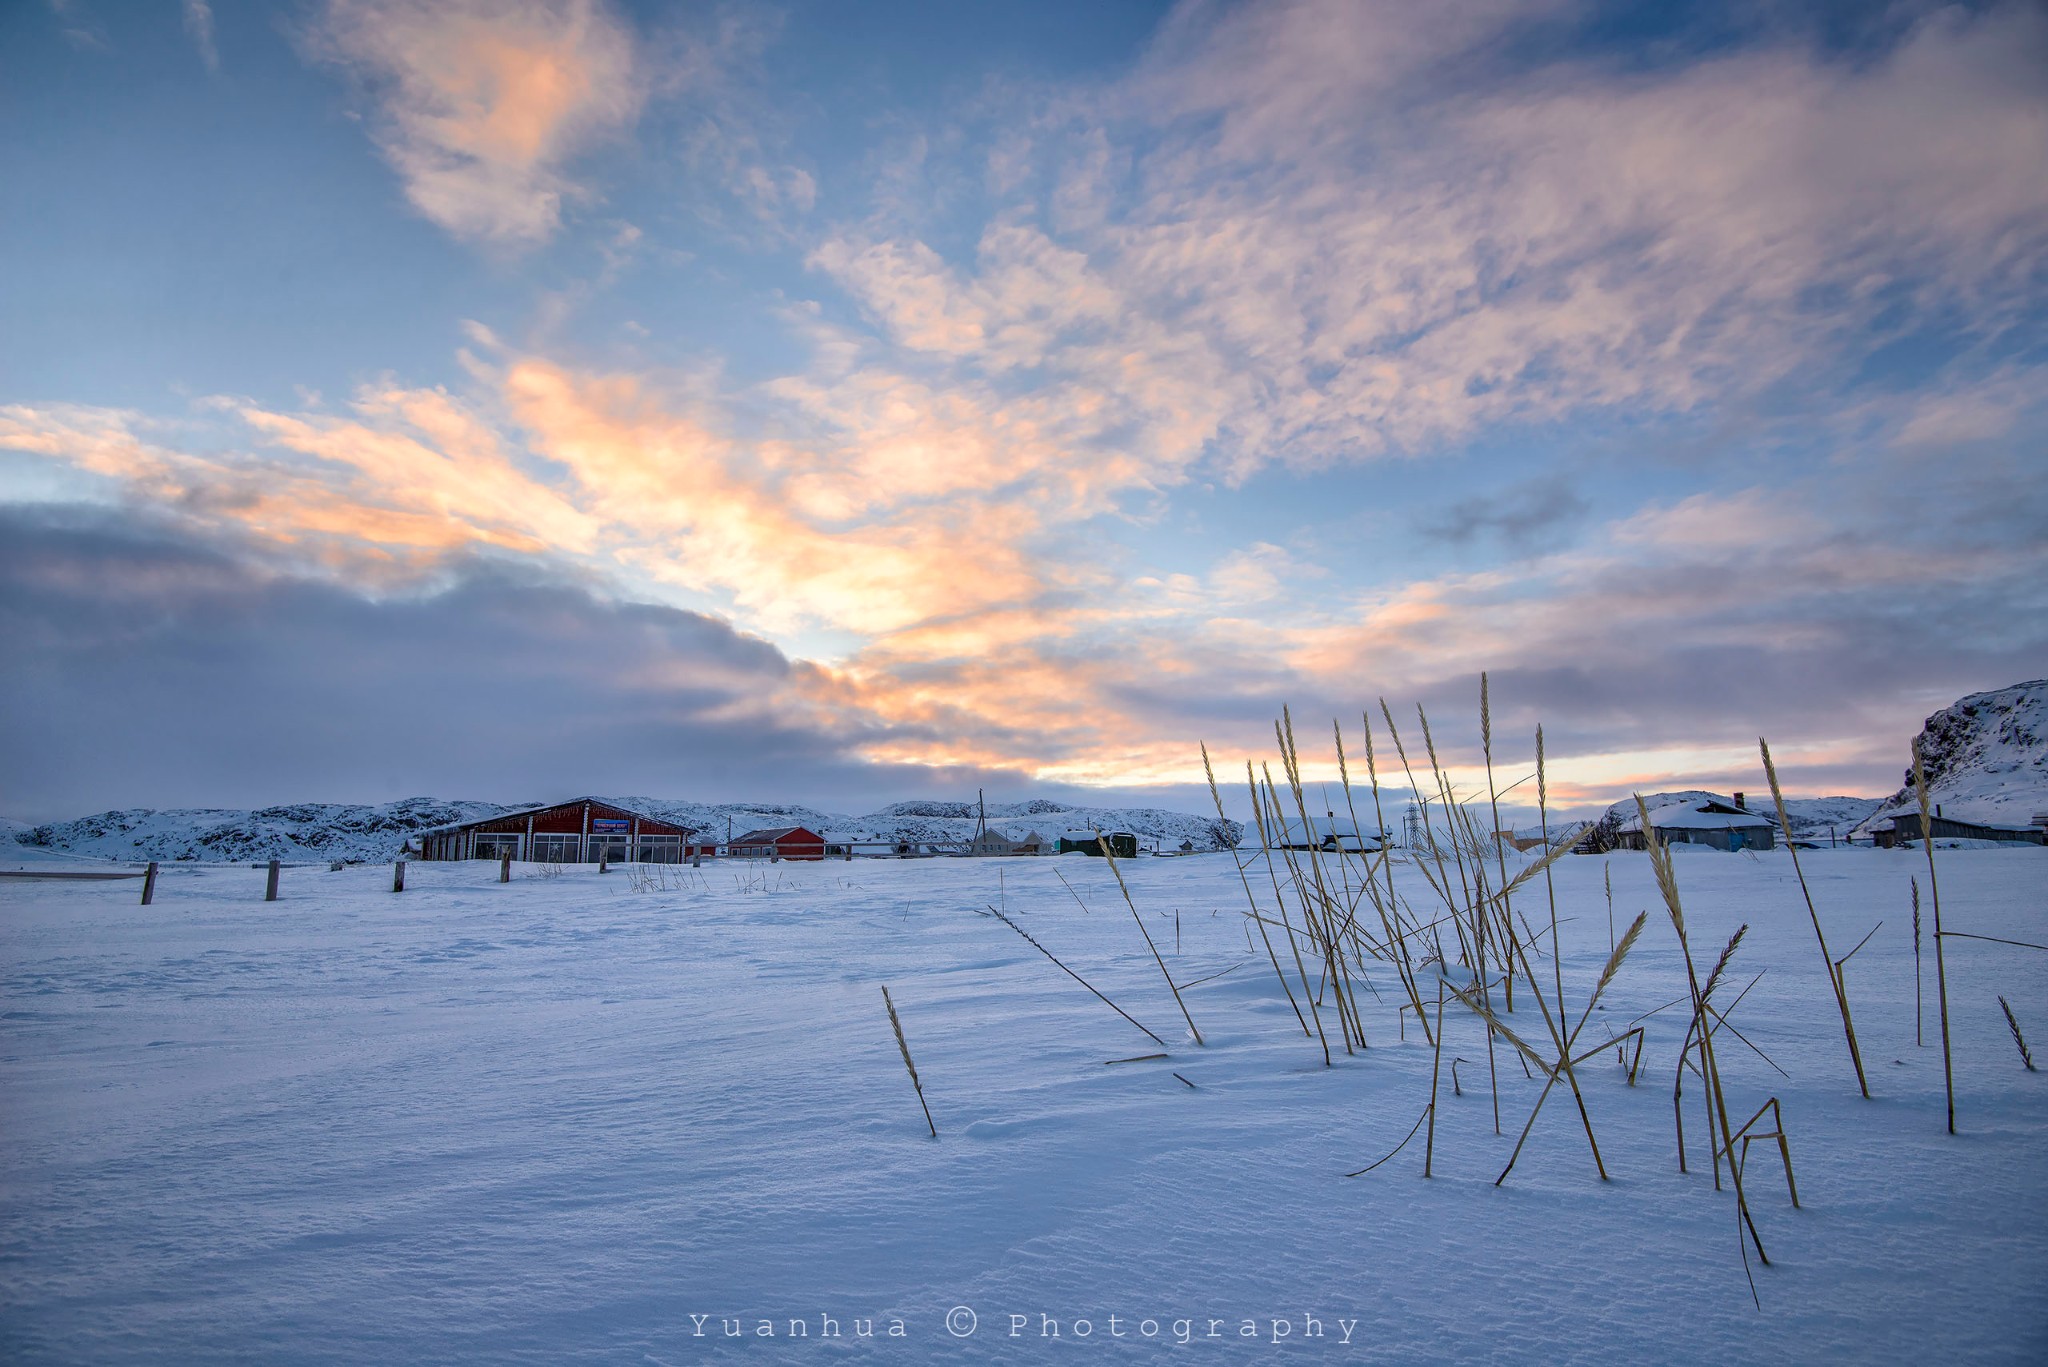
x=199, y=27
x=483, y=105
x=1300, y=234
x=1315, y=232
x=1520, y=515
x=146, y=668
x=413, y=476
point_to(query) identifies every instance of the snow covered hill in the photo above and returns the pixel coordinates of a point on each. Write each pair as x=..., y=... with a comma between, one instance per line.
x=300, y=831
x=1987, y=759
x=327, y=831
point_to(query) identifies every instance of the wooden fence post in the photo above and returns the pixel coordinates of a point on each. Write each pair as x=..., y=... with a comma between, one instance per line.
x=270, y=886
x=504, y=868
x=398, y=876
x=149, y=884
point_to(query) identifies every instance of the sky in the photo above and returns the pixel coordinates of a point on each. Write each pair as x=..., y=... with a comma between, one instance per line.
x=845, y=403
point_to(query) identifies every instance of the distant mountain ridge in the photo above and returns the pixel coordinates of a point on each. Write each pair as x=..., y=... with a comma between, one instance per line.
x=305, y=831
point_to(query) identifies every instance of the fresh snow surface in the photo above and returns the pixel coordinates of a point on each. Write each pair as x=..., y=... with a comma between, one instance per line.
x=1986, y=759
x=561, y=1119
x=313, y=831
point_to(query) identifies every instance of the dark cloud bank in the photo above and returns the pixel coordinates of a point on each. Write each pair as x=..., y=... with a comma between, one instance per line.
x=143, y=669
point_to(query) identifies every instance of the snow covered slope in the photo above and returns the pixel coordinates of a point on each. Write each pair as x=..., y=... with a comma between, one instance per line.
x=301, y=831
x=316, y=831
x=577, y=1119
x=1987, y=758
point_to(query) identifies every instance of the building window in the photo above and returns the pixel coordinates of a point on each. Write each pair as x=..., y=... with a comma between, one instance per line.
x=558, y=849
x=661, y=849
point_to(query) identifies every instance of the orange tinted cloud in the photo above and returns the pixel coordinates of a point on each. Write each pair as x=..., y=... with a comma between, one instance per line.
x=483, y=104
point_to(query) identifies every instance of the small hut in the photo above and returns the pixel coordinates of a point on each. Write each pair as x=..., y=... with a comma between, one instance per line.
x=1695, y=821
x=781, y=842
x=1122, y=844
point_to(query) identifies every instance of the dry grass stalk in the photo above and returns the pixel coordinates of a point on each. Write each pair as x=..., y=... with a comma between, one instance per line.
x=904, y=1045
x=2026, y=1055
x=1703, y=1023
x=1075, y=976
x=1320, y=914
x=1550, y=887
x=1841, y=997
x=1316, y=901
x=1103, y=844
x=1476, y=907
x=1427, y=1112
x=1565, y=1059
x=1748, y=1134
x=1266, y=845
x=1948, y=1074
x=1607, y=877
x=1398, y=955
x=1435, y=1070
x=1555, y=1025
x=1216, y=796
x=1917, y=1013
x=1500, y=855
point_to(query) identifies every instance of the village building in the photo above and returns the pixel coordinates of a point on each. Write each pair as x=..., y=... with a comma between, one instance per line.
x=1122, y=844
x=1905, y=826
x=583, y=830
x=985, y=844
x=1331, y=833
x=1698, y=821
x=783, y=842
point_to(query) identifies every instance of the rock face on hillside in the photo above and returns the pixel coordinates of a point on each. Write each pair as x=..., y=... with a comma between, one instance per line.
x=1986, y=758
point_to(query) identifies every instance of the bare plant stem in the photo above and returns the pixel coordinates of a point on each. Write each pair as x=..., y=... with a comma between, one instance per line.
x=1266, y=844
x=904, y=1045
x=1102, y=843
x=1918, y=1042
x=1217, y=797
x=1493, y=804
x=1435, y=1069
x=1841, y=999
x=1075, y=976
x=1948, y=1075
x=1550, y=888
x=2026, y=1056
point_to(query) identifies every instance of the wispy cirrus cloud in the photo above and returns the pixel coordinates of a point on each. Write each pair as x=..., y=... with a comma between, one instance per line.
x=481, y=106
x=1280, y=242
x=199, y=28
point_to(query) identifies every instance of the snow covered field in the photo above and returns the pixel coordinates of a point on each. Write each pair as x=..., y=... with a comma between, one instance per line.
x=568, y=1119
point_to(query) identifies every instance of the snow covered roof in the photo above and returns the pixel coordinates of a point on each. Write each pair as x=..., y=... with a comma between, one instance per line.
x=1695, y=815
x=770, y=836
